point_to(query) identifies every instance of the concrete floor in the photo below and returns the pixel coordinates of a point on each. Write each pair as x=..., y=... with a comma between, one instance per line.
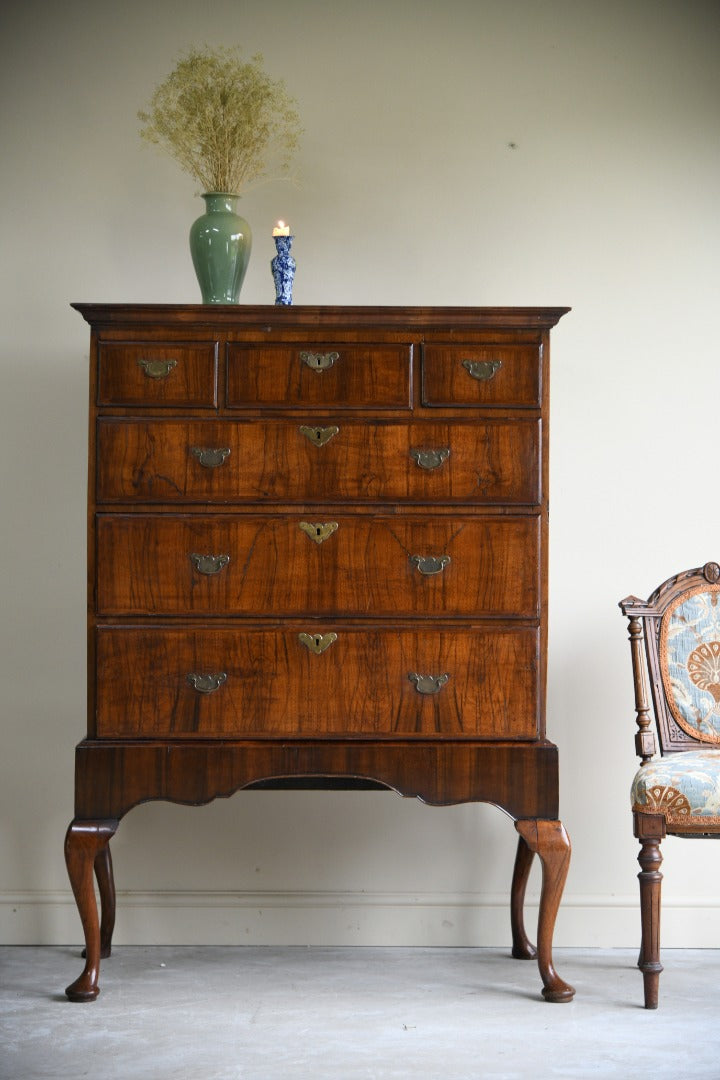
x=341, y=1014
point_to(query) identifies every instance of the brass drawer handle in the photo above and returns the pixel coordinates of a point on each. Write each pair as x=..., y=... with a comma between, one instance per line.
x=206, y=684
x=430, y=459
x=209, y=564
x=482, y=370
x=317, y=643
x=318, y=531
x=430, y=564
x=157, y=369
x=319, y=436
x=428, y=684
x=210, y=457
x=318, y=361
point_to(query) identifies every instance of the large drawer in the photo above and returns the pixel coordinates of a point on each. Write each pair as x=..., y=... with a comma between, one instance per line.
x=178, y=374
x=373, y=682
x=494, y=461
x=338, y=376
x=481, y=375
x=329, y=564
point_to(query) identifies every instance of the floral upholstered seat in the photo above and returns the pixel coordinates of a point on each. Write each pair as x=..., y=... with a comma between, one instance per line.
x=675, y=642
x=684, y=788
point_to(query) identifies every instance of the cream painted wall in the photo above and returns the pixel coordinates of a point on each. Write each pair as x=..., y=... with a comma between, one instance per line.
x=410, y=194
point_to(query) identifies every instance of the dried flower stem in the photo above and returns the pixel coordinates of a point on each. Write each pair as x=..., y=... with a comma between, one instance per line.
x=222, y=119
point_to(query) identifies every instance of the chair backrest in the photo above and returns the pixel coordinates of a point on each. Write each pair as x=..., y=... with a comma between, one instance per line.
x=676, y=633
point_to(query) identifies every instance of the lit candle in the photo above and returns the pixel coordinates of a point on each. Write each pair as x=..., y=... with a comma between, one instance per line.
x=281, y=229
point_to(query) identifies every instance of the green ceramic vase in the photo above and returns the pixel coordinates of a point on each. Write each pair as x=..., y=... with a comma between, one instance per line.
x=220, y=244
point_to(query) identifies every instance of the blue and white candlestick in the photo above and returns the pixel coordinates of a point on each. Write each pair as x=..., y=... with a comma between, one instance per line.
x=283, y=269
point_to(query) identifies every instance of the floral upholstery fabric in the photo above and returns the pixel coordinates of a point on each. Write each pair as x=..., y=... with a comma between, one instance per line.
x=690, y=662
x=684, y=787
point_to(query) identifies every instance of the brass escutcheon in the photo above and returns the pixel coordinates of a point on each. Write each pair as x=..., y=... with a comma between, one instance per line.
x=317, y=643
x=319, y=436
x=157, y=369
x=318, y=531
x=317, y=361
x=482, y=370
x=428, y=684
x=206, y=684
x=209, y=564
x=430, y=459
x=430, y=564
x=210, y=457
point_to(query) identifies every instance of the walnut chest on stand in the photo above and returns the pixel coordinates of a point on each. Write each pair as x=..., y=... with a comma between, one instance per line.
x=317, y=554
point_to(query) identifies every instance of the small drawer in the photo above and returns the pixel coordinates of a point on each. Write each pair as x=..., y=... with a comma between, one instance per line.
x=338, y=376
x=321, y=563
x=240, y=461
x=318, y=681
x=481, y=375
x=158, y=373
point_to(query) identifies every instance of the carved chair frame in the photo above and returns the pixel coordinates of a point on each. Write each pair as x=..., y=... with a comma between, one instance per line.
x=645, y=622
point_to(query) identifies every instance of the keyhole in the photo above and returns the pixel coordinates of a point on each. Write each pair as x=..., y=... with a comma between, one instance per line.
x=317, y=531
x=318, y=639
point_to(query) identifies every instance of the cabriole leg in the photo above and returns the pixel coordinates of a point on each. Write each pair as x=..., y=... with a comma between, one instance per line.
x=522, y=947
x=550, y=841
x=84, y=843
x=106, y=887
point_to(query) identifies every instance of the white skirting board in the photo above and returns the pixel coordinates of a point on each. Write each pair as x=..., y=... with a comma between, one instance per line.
x=351, y=918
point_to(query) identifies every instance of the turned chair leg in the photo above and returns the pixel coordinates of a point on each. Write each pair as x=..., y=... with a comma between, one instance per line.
x=84, y=843
x=650, y=878
x=550, y=841
x=522, y=947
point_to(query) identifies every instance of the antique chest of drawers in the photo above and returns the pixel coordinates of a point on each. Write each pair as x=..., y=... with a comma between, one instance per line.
x=317, y=551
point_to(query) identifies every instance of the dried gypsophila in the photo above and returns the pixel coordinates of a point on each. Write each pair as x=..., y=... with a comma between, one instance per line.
x=222, y=119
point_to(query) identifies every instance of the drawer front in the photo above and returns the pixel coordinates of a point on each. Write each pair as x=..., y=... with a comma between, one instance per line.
x=320, y=565
x=155, y=373
x=336, y=376
x=481, y=375
x=235, y=461
x=207, y=683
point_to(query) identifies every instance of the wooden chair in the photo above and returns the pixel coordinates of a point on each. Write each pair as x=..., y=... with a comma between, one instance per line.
x=675, y=641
